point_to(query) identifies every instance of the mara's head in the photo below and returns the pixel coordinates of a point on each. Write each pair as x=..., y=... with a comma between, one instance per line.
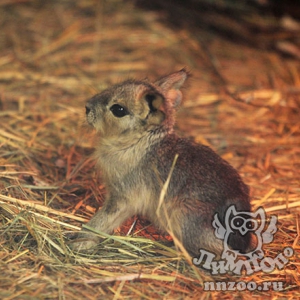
x=136, y=107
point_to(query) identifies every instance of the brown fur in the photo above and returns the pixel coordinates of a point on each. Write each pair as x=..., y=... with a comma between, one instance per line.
x=135, y=154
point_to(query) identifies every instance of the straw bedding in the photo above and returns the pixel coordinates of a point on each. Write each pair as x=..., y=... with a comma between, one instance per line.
x=242, y=101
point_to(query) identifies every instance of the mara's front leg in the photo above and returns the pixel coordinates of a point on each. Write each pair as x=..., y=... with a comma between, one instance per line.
x=110, y=216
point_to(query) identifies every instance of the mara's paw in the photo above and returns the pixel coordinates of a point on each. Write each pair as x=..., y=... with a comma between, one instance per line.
x=84, y=243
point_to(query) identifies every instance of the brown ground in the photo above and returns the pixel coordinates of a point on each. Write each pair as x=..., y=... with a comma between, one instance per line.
x=56, y=54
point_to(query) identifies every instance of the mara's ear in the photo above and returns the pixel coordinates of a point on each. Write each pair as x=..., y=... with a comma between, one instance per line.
x=171, y=85
x=155, y=101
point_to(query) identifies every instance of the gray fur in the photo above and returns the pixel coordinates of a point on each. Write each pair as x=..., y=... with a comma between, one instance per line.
x=135, y=153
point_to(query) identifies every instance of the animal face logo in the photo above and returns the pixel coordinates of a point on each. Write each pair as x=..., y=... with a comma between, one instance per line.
x=244, y=223
x=236, y=229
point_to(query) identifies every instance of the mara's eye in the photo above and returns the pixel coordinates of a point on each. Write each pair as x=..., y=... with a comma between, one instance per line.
x=119, y=111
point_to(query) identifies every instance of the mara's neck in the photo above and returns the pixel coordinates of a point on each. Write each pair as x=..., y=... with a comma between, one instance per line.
x=118, y=156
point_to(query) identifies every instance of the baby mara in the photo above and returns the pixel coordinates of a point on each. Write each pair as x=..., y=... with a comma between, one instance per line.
x=136, y=149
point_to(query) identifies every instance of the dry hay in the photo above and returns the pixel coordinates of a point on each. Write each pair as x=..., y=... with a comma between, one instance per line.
x=242, y=102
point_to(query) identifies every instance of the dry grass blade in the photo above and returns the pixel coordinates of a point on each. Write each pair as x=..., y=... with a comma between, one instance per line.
x=39, y=207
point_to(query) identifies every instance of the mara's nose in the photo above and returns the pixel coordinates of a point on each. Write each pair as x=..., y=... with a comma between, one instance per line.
x=88, y=107
x=90, y=112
